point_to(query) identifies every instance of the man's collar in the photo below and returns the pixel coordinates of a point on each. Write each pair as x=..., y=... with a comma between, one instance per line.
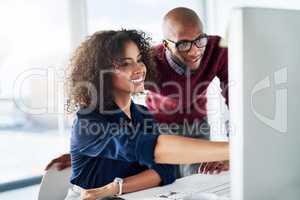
x=179, y=67
x=173, y=64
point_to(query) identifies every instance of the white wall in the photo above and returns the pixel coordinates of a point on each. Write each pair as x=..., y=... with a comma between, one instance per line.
x=219, y=11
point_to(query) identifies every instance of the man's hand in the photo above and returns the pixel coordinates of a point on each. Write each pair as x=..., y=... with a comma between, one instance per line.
x=61, y=162
x=213, y=167
x=108, y=190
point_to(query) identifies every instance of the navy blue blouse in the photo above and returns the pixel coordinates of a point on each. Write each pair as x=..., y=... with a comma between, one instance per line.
x=109, y=145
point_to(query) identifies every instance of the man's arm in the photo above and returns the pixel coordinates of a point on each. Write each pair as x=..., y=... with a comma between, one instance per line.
x=213, y=167
x=61, y=162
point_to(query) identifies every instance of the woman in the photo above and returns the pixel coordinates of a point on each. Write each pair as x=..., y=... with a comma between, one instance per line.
x=113, y=138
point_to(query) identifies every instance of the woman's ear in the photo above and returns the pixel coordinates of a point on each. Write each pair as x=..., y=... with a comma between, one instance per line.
x=165, y=43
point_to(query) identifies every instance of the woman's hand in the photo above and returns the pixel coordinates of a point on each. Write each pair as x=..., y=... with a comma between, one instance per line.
x=108, y=190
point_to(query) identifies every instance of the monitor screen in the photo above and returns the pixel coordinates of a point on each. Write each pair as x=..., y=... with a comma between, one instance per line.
x=264, y=74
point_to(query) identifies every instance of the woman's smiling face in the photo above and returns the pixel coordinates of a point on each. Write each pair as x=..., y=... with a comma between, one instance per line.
x=130, y=71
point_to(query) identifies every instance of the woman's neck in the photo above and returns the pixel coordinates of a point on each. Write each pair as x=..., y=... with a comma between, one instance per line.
x=123, y=100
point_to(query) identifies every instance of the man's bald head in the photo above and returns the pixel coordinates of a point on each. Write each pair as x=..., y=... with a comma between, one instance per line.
x=179, y=20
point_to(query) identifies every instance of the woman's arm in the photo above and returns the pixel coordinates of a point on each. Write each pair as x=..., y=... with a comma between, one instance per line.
x=143, y=147
x=144, y=180
x=168, y=149
x=177, y=150
x=183, y=150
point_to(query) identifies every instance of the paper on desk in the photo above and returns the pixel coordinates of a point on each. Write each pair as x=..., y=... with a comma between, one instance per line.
x=185, y=196
x=187, y=186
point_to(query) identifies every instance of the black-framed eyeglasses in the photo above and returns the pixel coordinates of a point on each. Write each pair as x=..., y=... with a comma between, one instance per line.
x=186, y=45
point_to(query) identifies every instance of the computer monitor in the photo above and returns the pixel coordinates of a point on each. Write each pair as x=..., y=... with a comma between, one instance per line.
x=264, y=77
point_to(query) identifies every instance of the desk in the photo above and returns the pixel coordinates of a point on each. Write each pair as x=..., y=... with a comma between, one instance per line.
x=198, y=183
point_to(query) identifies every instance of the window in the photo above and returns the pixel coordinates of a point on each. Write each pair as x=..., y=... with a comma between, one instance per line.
x=35, y=46
x=143, y=15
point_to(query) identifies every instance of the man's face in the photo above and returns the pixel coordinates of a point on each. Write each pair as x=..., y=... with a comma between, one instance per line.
x=191, y=58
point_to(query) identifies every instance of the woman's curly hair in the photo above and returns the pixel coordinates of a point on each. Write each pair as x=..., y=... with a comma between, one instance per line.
x=88, y=80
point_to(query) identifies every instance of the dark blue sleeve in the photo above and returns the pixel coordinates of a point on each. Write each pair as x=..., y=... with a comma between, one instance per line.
x=94, y=136
x=167, y=173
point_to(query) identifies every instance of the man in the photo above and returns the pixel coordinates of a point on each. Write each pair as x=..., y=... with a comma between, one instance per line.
x=187, y=62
